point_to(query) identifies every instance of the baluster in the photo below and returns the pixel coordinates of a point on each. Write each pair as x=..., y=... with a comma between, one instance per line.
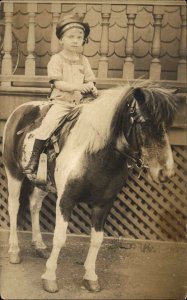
x=128, y=68
x=55, y=9
x=81, y=10
x=7, y=43
x=104, y=46
x=30, y=60
x=155, y=67
x=181, y=70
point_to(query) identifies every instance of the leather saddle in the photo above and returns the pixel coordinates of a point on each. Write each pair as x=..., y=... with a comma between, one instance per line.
x=52, y=141
x=52, y=144
x=43, y=178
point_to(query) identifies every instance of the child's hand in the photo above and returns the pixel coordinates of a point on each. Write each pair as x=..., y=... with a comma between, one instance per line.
x=94, y=91
x=86, y=87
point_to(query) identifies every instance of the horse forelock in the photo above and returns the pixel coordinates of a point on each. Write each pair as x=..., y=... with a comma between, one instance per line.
x=93, y=127
x=160, y=105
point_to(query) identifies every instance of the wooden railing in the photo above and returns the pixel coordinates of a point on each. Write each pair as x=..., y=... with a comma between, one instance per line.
x=130, y=10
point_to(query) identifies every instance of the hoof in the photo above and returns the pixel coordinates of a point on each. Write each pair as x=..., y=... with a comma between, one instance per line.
x=91, y=285
x=43, y=253
x=50, y=286
x=14, y=258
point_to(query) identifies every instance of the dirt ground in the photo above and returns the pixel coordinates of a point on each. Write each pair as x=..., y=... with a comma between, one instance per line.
x=127, y=269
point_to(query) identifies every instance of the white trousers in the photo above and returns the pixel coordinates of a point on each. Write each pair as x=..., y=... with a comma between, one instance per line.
x=50, y=122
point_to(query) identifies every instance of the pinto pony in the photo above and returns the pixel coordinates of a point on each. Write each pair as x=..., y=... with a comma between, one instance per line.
x=123, y=124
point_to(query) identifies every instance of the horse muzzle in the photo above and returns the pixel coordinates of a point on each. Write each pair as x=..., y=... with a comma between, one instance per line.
x=162, y=178
x=161, y=175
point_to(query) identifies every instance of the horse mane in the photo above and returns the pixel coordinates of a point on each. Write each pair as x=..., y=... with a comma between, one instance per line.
x=101, y=120
x=93, y=127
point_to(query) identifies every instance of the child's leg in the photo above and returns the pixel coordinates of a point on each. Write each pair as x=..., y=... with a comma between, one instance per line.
x=48, y=125
x=52, y=119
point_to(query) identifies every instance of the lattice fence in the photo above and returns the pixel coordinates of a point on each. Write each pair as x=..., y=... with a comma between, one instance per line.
x=142, y=209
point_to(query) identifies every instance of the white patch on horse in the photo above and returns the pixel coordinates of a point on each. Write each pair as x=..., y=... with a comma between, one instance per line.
x=36, y=199
x=95, y=244
x=94, y=123
x=121, y=142
x=69, y=163
x=14, y=186
x=58, y=242
x=27, y=147
x=170, y=165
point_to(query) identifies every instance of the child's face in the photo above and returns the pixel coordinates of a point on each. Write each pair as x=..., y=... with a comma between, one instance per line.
x=72, y=39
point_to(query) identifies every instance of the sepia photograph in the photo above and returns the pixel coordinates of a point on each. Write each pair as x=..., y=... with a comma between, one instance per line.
x=93, y=149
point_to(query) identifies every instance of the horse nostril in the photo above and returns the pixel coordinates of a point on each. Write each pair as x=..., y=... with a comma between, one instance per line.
x=162, y=177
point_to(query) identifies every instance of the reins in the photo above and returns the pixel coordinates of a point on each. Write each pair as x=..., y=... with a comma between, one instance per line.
x=135, y=118
x=136, y=161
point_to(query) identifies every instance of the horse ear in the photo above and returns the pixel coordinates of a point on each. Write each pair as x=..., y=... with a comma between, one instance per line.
x=139, y=95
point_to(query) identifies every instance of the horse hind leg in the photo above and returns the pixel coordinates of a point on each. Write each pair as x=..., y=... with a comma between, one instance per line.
x=36, y=199
x=14, y=187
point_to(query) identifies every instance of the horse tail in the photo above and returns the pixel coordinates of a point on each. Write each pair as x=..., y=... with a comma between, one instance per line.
x=26, y=190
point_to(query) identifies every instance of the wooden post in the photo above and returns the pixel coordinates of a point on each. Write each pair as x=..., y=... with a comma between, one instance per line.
x=7, y=44
x=128, y=67
x=181, y=70
x=55, y=9
x=81, y=10
x=104, y=46
x=30, y=64
x=155, y=67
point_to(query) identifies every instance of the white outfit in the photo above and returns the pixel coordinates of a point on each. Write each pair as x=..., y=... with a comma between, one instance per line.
x=71, y=71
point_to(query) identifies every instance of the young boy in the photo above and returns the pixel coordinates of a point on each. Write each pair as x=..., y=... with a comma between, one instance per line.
x=71, y=77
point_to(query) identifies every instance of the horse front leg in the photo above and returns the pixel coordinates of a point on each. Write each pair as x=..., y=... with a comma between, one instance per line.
x=49, y=277
x=36, y=199
x=90, y=279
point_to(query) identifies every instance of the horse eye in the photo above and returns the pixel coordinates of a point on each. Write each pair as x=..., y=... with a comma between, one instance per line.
x=162, y=130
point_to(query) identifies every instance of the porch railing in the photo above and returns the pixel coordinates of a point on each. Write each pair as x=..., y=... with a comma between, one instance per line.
x=127, y=10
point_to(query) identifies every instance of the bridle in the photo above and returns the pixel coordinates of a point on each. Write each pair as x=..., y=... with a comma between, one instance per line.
x=135, y=118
